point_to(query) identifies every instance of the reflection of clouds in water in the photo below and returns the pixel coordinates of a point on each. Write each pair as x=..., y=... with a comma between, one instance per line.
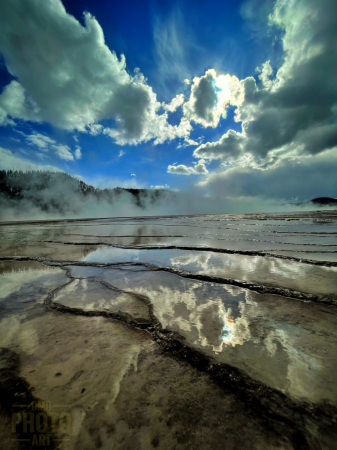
x=226, y=265
x=8, y=326
x=188, y=307
x=212, y=324
x=217, y=327
x=16, y=329
x=199, y=260
x=16, y=333
x=112, y=254
x=234, y=291
x=93, y=295
x=268, y=336
x=211, y=263
x=165, y=301
x=303, y=370
x=13, y=281
x=262, y=270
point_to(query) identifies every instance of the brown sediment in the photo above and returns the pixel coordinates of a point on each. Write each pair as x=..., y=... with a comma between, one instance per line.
x=17, y=399
x=157, y=401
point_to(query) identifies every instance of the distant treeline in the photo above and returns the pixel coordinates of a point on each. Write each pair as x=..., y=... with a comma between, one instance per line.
x=59, y=192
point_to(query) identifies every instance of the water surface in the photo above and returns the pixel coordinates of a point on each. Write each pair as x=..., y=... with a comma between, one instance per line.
x=252, y=292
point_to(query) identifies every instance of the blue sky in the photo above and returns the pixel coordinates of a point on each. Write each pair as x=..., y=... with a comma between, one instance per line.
x=250, y=82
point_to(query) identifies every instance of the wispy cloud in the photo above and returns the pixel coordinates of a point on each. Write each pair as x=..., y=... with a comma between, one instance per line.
x=10, y=160
x=172, y=42
x=78, y=153
x=45, y=144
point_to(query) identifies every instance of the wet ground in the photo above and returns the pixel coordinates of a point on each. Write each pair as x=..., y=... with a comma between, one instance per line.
x=187, y=332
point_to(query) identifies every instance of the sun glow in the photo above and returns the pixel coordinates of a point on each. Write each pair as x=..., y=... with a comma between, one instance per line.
x=229, y=91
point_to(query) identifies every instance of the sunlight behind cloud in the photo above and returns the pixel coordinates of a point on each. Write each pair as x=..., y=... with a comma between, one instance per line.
x=210, y=95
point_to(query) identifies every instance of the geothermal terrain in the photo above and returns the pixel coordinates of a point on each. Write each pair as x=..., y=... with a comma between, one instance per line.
x=181, y=332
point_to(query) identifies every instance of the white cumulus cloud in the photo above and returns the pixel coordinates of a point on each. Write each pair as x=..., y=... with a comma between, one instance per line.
x=199, y=168
x=67, y=76
x=177, y=101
